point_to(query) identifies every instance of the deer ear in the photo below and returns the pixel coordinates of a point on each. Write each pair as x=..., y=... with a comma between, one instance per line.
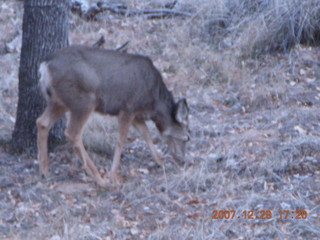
x=182, y=111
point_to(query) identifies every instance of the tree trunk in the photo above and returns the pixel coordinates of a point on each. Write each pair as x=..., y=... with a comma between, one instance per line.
x=45, y=29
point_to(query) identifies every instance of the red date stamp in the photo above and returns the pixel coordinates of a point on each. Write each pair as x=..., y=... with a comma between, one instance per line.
x=261, y=214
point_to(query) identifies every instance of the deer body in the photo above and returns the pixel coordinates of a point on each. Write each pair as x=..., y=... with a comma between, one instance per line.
x=81, y=80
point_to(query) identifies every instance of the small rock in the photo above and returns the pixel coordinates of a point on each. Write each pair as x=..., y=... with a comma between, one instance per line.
x=14, y=45
x=143, y=171
x=152, y=164
x=55, y=237
x=300, y=130
x=285, y=206
x=134, y=231
x=302, y=72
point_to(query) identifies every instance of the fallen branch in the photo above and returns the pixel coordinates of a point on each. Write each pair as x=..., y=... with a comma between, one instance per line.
x=154, y=13
x=123, y=47
x=150, y=14
x=121, y=9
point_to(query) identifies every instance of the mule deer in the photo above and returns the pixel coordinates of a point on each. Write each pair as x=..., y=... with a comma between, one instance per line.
x=81, y=80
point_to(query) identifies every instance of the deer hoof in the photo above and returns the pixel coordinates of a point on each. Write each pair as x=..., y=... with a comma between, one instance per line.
x=44, y=173
x=115, y=179
x=103, y=182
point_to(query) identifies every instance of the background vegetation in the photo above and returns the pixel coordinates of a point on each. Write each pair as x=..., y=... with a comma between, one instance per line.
x=251, y=73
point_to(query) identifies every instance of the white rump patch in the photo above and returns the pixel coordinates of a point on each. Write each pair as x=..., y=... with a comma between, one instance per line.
x=45, y=78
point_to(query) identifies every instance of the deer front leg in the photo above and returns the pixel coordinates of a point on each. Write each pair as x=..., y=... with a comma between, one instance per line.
x=141, y=126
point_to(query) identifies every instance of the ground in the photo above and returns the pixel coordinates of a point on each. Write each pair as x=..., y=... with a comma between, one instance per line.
x=255, y=145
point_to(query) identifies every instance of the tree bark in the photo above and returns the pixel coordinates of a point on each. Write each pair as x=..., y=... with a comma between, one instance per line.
x=45, y=29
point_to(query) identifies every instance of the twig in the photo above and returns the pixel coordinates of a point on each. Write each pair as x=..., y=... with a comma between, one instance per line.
x=121, y=9
x=123, y=47
x=100, y=42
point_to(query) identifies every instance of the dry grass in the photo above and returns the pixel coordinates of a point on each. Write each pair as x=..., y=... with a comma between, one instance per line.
x=258, y=27
x=255, y=132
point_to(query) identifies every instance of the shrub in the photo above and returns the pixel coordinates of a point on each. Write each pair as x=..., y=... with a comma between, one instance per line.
x=266, y=26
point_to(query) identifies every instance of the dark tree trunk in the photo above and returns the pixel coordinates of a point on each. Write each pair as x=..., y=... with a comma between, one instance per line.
x=45, y=29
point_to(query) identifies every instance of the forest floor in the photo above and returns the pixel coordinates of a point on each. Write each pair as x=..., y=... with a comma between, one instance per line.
x=255, y=145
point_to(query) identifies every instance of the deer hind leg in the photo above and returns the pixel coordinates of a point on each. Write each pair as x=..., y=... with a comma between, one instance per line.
x=74, y=134
x=142, y=128
x=51, y=114
x=124, y=120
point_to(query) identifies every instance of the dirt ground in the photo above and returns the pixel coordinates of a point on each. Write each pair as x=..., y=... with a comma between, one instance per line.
x=255, y=146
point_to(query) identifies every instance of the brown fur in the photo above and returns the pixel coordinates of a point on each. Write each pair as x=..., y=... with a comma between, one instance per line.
x=81, y=80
